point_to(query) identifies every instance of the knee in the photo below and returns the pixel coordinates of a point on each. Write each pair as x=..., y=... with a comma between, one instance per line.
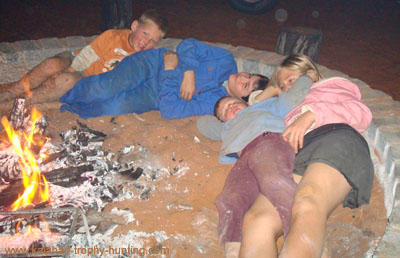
x=56, y=64
x=306, y=200
x=262, y=223
x=67, y=80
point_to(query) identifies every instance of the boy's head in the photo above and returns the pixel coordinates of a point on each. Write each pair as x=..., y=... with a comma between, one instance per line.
x=227, y=108
x=148, y=30
x=240, y=85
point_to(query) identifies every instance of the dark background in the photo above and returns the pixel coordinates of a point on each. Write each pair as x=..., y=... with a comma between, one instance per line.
x=360, y=37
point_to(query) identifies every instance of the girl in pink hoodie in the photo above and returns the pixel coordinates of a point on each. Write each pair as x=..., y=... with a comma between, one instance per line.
x=332, y=160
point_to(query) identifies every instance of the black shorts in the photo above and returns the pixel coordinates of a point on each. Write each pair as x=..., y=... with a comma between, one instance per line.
x=343, y=148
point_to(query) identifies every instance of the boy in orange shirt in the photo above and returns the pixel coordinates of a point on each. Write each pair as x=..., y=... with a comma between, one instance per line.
x=54, y=76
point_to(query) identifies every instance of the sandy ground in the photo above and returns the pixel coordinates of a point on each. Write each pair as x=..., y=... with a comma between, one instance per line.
x=360, y=39
x=182, y=204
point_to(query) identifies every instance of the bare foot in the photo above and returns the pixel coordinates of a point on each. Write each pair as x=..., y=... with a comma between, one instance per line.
x=6, y=86
x=6, y=107
x=10, y=91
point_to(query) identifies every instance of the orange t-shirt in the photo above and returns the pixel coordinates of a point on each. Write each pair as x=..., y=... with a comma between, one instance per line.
x=111, y=47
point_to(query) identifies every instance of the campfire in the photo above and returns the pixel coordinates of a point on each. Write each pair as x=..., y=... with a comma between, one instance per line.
x=52, y=195
x=26, y=188
x=36, y=189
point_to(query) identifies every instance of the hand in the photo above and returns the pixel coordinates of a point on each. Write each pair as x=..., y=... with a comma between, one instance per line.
x=170, y=61
x=269, y=92
x=69, y=70
x=294, y=133
x=188, y=85
x=50, y=83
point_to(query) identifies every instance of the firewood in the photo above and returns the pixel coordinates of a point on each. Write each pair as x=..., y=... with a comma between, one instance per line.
x=62, y=176
x=18, y=113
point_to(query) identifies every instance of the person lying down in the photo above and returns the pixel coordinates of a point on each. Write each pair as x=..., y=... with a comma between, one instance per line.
x=233, y=117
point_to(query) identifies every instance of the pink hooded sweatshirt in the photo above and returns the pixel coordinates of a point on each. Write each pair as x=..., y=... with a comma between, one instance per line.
x=334, y=100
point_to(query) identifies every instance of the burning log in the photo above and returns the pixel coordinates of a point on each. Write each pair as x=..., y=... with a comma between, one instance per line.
x=23, y=123
x=18, y=114
x=9, y=166
x=54, y=156
x=62, y=176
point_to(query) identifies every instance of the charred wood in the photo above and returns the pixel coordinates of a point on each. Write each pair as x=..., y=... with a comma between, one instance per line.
x=18, y=114
x=65, y=177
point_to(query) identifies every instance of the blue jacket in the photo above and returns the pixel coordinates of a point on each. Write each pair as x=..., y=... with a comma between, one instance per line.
x=140, y=84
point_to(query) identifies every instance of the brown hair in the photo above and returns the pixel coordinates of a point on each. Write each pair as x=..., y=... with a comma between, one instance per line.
x=261, y=85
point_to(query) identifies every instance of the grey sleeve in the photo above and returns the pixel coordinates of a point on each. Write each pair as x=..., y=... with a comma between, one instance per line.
x=298, y=92
x=210, y=127
x=84, y=59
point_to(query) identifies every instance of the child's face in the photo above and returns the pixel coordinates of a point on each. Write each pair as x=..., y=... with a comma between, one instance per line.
x=229, y=107
x=144, y=36
x=287, y=78
x=242, y=84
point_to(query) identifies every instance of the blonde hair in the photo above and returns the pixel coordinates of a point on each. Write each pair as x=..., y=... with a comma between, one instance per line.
x=157, y=18
x=299, y=63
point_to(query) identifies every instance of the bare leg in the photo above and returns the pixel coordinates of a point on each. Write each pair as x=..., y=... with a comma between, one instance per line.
x=63, y=83
x=232, y=249
x=6, y=107
x=261, y=228
x=320, y=191
x=35, y=77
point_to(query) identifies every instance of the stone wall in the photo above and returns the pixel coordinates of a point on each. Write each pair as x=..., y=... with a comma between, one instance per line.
x=383, y=135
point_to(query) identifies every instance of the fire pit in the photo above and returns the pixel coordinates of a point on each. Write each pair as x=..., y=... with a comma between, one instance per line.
x=178, y=202
x=40, y=209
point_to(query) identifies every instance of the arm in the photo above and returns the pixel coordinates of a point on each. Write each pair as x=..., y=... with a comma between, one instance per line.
x=295, y=95
x=269, y=92
x=213, y=69
x=188, y=85
x=333, y=103
x=84, y=59
x=194, y=54
x=341, y=105
x=172, y=106
x=87, y=56
x=351, y=112
x=110, y=48
x=282, y=105
x=170, y=61
x=260, y=95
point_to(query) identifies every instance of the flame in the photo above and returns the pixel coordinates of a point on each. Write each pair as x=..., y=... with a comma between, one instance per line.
x=25, y=82
x=35, y=229
x=25, y=236
x=36, y=187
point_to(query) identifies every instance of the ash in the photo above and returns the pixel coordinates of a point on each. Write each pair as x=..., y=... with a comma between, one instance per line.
x=122, y=245
x=82, y=174
x=110, y=177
